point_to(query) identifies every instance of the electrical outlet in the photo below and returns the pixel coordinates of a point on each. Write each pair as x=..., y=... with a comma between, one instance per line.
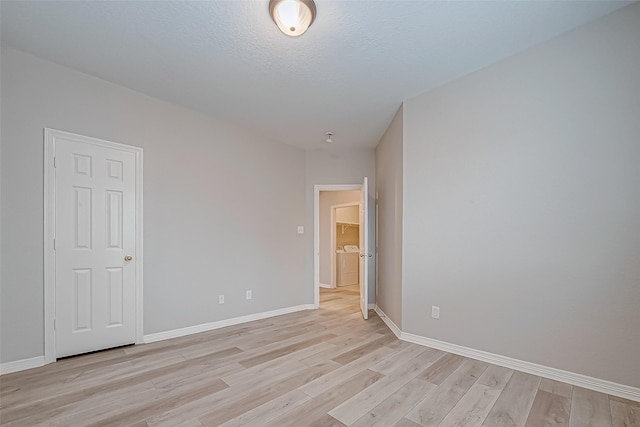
x=435, y=311
x=220, y=299
x=249, y=295
x=300, y=229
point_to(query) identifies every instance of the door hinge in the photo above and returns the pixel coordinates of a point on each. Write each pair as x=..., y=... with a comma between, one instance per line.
x=54, y=162
x=54, y=324
x=54, y=244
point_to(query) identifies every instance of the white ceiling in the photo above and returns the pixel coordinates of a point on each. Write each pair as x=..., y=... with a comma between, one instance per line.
x=348, y=74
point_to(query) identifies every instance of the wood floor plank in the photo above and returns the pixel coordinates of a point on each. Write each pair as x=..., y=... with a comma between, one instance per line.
x=362, y=350
x=349, y=370
x=624, y=415
x=345, y=342
x=430, y=355
x=254, y=397
x=432, y=410
x=495, y=377
x=295, y=354
x=193, y=422
x=320, y=405
x=66, y=404
x=131, y=409
x=249, y=376
x=625, y=401
x=437, y=372
x=589, y=409
x=232, y=402
x=556, y=387
x=164, y=403
x=124, y=371
x=361, y=403
x=473, y=407
x=278, y=352
x=325, y=420
x=512, y=407
x=387, y=366
x=406, y=423
x=175, y=378
x=397, y=405
x=279, y=406
x=550, y=410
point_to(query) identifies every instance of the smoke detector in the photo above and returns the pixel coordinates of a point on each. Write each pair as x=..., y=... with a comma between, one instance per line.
x=329, y=137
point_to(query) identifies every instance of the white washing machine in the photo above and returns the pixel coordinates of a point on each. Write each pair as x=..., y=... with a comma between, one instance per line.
x=348, y=265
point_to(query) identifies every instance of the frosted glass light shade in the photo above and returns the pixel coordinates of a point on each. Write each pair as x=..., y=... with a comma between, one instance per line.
x=293, y=17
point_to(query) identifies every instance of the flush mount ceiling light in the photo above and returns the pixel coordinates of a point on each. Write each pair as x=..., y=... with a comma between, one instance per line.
x=293, y=17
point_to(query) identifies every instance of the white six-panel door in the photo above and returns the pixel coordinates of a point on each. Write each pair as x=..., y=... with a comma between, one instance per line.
x=95, y=246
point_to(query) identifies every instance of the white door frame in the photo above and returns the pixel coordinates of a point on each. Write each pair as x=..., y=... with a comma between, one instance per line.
x=50, y=136
x=316, y=231
x=334, y=278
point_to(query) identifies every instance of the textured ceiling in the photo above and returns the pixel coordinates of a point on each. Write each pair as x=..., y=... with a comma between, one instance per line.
x=348, y=74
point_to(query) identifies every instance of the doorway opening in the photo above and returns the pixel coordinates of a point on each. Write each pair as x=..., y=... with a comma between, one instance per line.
x=340, y=230
x=344, y=250
x=340, y=242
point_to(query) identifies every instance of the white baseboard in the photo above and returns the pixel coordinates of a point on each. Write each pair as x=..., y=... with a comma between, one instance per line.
x=324, y=285
x=175, y=333
x=394, y=328
x=21, y=365
x=584, y=381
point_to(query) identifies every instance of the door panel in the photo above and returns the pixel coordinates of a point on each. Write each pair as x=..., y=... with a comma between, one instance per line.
x=82, y=307
x=95, y=289
x=82, y=217
x=114, y=219
x=115, y=294
x=364, y=250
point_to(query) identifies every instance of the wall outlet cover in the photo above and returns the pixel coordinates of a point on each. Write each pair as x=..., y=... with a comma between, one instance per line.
x=435, y=311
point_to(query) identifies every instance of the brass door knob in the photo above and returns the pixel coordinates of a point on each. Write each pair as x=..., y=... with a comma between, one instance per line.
x=128, y=258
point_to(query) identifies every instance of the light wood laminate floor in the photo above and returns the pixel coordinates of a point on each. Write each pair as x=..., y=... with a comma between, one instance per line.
x=325, y=367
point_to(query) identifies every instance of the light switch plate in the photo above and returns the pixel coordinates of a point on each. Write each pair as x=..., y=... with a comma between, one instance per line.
x=300, y=229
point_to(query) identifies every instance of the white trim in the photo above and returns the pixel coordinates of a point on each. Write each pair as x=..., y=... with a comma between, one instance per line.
x=21, y=365
x=584, y=381
x=139, y=246
x=572, y=378
x=316, y=232
x=49, y=233
x=332, y=245
x=394, y=328
x=49, y=253
x=324, y=285
x=175, y=333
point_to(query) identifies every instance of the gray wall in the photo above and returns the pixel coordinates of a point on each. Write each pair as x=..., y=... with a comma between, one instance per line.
x=221, y=205
x=335, y=166
x=389, y=169
x=522, y=205
x=328, y=199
